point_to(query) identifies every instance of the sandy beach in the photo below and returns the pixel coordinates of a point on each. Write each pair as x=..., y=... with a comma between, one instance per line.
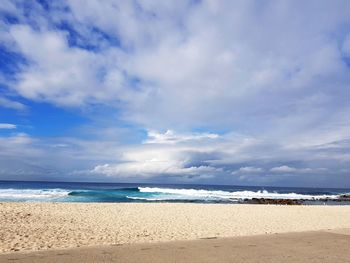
x=42, y=226
x=301, y=247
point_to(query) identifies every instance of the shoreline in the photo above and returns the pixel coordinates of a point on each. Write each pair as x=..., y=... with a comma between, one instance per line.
x=47, y=226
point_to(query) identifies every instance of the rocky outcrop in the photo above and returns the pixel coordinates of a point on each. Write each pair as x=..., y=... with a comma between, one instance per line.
x=268, y=201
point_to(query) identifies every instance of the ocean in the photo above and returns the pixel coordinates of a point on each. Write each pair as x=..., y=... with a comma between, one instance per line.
x=126, y=193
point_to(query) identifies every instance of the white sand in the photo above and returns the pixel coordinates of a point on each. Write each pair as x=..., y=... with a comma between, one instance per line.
x=35, y=226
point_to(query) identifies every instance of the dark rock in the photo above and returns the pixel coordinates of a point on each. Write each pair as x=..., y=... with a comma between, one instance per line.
x=268, y=201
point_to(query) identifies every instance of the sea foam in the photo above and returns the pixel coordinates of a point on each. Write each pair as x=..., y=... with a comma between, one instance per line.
x=218, y=194
x=32, y=194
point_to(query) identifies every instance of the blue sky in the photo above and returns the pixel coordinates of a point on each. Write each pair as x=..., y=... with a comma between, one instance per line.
x=224, y=92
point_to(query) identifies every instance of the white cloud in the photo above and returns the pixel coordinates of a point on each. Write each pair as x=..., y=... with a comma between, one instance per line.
x=6, y=103
x=248, y=170
x=153, y=168
x=64, y=75
x=171, y=137
x=206, y=70
x=7, y=126
x=18, y=146
x=160, y=157
x=288, y=169
x=283, y=169
x=271, y=78
x=200, y=160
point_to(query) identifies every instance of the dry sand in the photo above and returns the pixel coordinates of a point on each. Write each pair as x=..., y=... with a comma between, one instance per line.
x=305, y=247
x=38, y=226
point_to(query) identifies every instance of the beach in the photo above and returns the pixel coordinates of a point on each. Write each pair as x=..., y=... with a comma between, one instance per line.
x=301, y=247
x=33, y=226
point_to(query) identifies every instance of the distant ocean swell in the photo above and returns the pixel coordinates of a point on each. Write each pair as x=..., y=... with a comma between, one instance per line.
x=153, y=194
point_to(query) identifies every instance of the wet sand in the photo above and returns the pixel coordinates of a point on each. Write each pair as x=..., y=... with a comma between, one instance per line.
x=310, y=247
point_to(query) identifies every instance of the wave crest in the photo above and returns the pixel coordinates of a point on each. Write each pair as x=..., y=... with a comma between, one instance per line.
x=237, y=195
x=32, y=194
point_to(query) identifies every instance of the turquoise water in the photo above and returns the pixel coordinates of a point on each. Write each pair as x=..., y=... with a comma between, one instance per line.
x=115, y=192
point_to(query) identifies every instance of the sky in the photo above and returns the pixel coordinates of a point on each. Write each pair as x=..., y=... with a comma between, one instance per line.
x=203, y=92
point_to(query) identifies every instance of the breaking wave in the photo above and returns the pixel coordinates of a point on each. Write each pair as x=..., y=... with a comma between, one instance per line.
x=161, y=194
x=171, y=194
x=32, y=194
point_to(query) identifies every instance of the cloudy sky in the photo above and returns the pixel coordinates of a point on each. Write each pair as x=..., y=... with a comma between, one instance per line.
x=224, y=92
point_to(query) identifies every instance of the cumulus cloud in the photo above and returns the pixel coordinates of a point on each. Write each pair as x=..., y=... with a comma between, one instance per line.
x=164, y=154
x=204, y=64
x=61, y=74
x=224, y=159
x=154, y=168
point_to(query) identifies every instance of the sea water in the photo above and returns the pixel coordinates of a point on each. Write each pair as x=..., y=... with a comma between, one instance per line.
x=123, y=192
